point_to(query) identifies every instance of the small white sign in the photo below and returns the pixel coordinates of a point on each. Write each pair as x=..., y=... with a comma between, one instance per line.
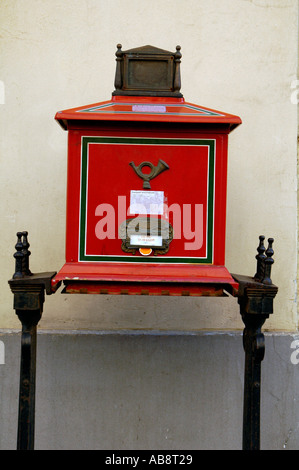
x=148, y=108
x=146, y=240
x=147, y=202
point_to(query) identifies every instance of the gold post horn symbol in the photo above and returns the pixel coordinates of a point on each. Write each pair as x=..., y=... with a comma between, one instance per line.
x=155, y=171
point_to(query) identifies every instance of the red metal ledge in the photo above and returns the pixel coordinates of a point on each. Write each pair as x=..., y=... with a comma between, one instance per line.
x=145, y=109
x=149, y=279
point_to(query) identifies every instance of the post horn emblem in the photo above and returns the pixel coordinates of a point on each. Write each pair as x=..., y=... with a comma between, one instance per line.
x=155, y=171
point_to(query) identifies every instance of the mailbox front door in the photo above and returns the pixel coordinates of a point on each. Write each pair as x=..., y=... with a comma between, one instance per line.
x=180, y=216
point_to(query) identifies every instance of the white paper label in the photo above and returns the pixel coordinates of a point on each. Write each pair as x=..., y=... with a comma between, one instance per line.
x=147, y=202
x=146, y=240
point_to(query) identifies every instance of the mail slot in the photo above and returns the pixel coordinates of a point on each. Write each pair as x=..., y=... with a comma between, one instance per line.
x=146, y=186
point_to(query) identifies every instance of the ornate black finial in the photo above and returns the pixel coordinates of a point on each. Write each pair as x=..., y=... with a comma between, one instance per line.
x=26, y=253
x=19, y=255
x=22, y=256
x=268, y=262
x=260, y=257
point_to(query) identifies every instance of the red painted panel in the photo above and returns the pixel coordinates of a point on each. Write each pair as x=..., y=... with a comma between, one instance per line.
x=109, y=176
x=110, y=179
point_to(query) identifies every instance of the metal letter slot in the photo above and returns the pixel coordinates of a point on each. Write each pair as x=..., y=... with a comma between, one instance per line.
x=147, y=232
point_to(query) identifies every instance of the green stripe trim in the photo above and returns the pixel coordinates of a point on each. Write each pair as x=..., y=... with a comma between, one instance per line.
x=199, y=111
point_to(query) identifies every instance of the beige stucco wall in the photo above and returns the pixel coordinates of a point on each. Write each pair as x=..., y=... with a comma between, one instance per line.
x=239, y=56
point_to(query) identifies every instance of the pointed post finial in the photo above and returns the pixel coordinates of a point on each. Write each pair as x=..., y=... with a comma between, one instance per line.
x=260, y=257
x=26, y=253
x=268, y=262
x=177, y=72
x=22, y=256
x=19, y=255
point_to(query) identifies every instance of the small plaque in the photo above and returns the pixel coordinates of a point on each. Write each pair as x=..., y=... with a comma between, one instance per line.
x=147, y=202
x=146, y=240
x=145, y=233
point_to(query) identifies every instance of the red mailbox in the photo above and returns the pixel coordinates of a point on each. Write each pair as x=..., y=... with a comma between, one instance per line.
x=146, y=186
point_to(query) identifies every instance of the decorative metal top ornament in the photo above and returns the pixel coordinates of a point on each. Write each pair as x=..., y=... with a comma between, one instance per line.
x=155, y=171
x=147, y=71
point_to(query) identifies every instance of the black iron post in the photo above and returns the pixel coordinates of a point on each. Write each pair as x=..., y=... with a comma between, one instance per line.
x=26, y=419
x=254, y=347
x=255, y=297
x=29, y=296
